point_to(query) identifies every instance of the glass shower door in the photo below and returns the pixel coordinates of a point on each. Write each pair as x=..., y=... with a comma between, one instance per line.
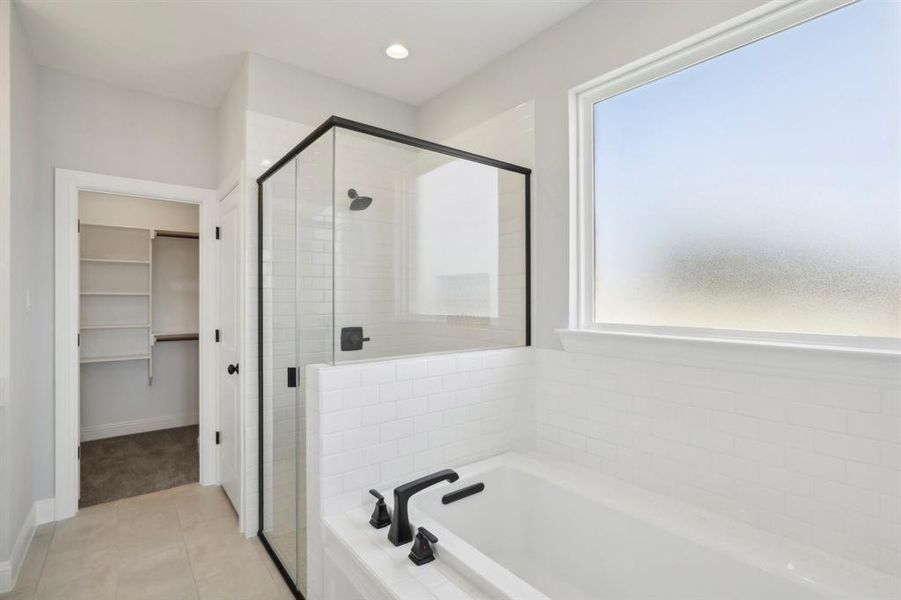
x=280, y=415
x=313, y=305
x=297, y=219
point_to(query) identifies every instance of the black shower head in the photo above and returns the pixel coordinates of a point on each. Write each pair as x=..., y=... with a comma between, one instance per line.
x=358, y=202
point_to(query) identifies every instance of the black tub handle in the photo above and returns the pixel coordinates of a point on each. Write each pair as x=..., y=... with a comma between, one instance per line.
x=466, y=492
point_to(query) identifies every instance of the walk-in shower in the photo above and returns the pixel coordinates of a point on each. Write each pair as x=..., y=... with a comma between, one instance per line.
x=374, y=244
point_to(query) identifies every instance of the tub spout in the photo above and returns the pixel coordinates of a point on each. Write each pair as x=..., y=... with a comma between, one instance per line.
x=400, y=532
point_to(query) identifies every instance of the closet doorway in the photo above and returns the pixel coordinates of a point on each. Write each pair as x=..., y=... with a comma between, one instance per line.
x=139, y=379
x=136, y=408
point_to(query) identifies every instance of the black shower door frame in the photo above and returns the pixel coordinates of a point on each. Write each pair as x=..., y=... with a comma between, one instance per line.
x=386, y=134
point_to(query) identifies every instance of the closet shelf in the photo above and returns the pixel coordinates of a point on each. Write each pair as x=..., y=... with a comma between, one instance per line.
x=175, y=337
x=125, y=227
x=116, y=358
x=115, y=293
x=117, y=326
x=121, y=261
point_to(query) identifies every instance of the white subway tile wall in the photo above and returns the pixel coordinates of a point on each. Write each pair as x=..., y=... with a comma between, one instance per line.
x=751, y=439
x=384, y=423
x=801, y=449
x=368, y=245
x=377, y=424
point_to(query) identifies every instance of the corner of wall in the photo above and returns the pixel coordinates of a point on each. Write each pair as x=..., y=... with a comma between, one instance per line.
x=232, y=122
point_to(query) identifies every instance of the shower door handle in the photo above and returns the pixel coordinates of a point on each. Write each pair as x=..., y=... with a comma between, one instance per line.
x=292, y=377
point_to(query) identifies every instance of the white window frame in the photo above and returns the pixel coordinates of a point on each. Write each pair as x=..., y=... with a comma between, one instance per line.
x=745, y=29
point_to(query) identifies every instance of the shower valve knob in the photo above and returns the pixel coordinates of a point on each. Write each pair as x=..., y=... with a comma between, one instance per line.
x=352, y=339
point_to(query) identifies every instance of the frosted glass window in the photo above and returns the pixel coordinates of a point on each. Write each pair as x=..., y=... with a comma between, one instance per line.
x=758, y=190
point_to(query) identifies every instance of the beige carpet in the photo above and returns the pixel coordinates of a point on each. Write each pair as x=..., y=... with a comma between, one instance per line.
x=131, y=465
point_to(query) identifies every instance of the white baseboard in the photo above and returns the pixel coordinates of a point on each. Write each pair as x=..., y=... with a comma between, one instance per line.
x=41, y=512
x=108, y=430
x=45, y=511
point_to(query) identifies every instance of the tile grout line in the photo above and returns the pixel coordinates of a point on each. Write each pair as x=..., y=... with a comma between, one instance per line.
x=184, y=543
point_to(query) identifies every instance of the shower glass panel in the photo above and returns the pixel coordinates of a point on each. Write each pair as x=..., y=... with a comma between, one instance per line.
x=296, y=293
x=373, y=244
x=436, y=262
x=280, y=404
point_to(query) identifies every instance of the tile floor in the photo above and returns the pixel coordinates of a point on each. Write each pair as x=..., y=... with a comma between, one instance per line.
x=176, y=544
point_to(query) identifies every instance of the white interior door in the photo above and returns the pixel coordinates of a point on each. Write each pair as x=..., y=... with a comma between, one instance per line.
x=230, y=371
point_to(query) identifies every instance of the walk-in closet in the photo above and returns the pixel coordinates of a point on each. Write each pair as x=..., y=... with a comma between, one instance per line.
x=138, y=349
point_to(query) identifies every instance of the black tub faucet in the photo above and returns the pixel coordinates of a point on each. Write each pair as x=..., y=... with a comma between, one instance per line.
x=400, y=532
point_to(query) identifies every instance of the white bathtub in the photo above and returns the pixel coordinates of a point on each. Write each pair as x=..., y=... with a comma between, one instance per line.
x=544, y=530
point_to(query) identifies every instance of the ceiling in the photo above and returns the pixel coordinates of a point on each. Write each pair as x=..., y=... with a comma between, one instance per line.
x=191, y=49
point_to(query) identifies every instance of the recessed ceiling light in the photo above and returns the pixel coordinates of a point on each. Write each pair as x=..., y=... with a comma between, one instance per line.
x=397, y=51
x=265, y=162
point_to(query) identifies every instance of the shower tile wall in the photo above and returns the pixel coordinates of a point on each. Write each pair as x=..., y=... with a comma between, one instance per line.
x=386, y=422
x=368, y=245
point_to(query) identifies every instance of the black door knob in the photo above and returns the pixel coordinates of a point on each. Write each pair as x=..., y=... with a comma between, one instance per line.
x=232, y=369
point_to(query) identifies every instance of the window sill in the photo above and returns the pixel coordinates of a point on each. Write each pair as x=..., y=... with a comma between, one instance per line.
x=594, y=341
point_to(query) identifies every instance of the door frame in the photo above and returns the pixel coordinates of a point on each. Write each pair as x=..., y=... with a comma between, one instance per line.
x=67, y=185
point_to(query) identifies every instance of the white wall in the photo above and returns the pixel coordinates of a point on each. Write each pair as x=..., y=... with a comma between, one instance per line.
x=281, y=90
x=593, y=41
x=19, y=324
x=116, y=398
x=5, y=169
x=232, y=126
x=130, y=211
x=91, y=126
x=25, y=323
